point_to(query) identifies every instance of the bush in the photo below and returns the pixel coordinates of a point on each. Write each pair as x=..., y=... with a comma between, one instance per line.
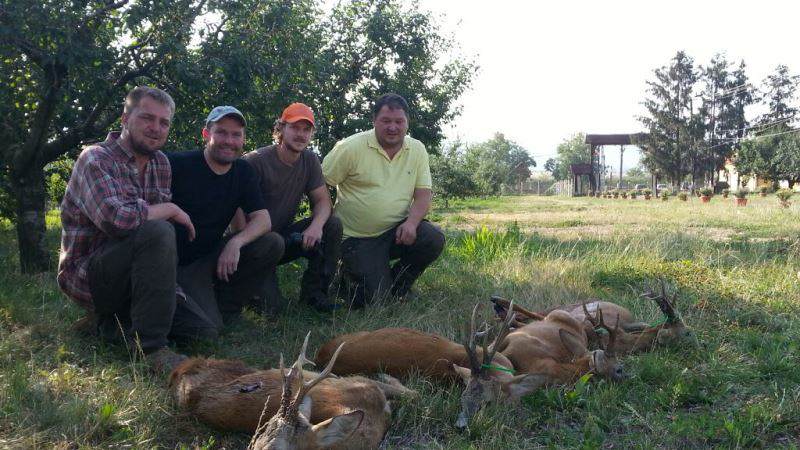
x=741, y=193
x=647, y=191
x=706, y=192
x=665, y=193
x=784, y=194
x=683, y=195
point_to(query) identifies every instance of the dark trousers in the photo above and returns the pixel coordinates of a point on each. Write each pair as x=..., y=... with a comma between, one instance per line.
x=322, y=260
x=132, y=281
x=366, y=262
x=218, y=298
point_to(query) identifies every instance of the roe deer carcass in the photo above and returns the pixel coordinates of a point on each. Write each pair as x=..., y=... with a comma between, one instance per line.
x=556, y=349
x=488, y=375
x=231, y=396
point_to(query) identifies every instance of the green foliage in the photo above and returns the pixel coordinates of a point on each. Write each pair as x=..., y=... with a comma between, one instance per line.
x=706, y=192
x=497, y=162
x=451, y=179
x=741, y=193
x=572, y=150
x=784, y=194
x=665, y=193
x=683, y=195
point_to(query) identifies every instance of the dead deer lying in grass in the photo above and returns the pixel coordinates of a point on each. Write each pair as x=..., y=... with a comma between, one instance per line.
x=487, y=374
x=634, y=336
x=230, y=396
x=556, y=349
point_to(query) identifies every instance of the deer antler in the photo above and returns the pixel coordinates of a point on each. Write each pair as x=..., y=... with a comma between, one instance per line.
x=290, y=406
x=610, y=349
x=476, y=366
x=664, y=302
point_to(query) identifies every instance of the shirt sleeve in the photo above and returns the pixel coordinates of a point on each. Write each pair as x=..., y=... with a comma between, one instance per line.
x=315, y=178
x=251, y=198
x=335, y=165
x=423, y=172
x=113, y=207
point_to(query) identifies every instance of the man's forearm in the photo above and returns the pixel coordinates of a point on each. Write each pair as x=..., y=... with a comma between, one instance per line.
x=257, y=225
x=161, y=211
x=420, y=205
x=320, y=214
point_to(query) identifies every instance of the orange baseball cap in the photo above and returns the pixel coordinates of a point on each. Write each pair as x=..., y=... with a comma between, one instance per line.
x=297, y=111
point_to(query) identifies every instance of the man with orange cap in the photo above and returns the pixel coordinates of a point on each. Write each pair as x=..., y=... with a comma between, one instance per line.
x=288, y=170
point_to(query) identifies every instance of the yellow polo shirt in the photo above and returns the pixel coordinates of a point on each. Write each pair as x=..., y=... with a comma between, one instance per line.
x=374, y=193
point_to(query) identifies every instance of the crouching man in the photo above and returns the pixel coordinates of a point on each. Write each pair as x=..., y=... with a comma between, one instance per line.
x=118, y=257
x=221, y=274
x=383, y=184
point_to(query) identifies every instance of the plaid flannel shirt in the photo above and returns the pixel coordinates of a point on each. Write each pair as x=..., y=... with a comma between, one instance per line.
x=104, y=198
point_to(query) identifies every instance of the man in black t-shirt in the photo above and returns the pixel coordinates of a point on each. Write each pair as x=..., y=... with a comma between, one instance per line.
x=286, y=172
x=220, y=274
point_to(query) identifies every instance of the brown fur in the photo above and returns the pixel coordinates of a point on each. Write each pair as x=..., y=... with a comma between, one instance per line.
x=230, y=396
x=400, y=352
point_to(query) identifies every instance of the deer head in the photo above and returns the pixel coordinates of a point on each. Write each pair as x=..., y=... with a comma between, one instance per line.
x=290, y=428
x=603, y=362
x=674, y=331
x=486, y=382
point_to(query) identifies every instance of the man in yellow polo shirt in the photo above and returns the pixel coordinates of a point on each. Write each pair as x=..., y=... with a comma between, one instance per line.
x=383, y=184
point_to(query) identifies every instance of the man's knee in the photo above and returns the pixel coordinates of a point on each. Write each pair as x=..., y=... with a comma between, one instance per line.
x=431, y=239
x=267, y=247
x=156, y=232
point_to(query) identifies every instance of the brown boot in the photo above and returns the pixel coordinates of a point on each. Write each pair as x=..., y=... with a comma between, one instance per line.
x=164, y=360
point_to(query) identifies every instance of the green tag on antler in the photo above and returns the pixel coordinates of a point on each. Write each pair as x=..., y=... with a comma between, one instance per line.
x=500, y=368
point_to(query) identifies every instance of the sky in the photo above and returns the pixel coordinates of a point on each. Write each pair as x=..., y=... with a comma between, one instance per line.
x=551, y=69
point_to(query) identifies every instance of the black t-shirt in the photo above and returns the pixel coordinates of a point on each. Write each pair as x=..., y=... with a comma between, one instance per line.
x=210, y=200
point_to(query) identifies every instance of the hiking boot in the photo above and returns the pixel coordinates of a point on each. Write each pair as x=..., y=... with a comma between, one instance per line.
x=164, y=360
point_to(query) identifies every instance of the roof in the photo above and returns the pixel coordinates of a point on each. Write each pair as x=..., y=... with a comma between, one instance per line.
x=580, y=169
x=613, y=139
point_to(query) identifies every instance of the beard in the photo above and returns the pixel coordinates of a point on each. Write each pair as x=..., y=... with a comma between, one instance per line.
x=139, y=146
x=216, y=154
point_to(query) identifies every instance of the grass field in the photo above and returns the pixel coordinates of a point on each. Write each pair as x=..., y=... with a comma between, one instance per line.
x=736, y=271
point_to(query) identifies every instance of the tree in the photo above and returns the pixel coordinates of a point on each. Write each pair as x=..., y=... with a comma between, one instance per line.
x=451, y=179
x=675, y=130
x=571, y=150
x=497, y=162
x=61, y=86
x=779, y=91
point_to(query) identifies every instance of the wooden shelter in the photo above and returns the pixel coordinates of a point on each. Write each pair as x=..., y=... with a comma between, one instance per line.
x=595, y=169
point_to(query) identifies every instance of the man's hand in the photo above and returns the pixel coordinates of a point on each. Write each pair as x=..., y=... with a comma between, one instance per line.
x=311, y=236
x=181, y=218
x=406, y=233
x=228, y=261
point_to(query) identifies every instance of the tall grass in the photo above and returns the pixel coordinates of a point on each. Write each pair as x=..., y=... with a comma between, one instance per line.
x=735, y=271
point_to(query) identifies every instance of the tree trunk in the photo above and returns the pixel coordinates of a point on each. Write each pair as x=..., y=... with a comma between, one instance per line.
x=31, y=196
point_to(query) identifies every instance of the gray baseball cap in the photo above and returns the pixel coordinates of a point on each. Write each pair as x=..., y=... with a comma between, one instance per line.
x=221, y=111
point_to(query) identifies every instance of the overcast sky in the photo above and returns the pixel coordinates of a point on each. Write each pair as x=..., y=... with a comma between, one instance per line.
x=550, y=69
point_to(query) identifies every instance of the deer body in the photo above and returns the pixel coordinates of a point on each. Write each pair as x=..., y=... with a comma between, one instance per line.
x=231, y=396
x=401, y=352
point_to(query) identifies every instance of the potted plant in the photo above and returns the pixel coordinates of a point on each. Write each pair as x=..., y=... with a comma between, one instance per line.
x=741, y=197
x=634, y=193
x=726, y=192
x=784, y=195
x=764, y=190
x=615, y=193
x=624, y=194
x=648, y=193
x=683, y=196
x=705, y=194
x=665, y=195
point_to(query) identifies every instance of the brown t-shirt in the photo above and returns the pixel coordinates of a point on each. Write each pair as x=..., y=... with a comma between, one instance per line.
x=283, y=185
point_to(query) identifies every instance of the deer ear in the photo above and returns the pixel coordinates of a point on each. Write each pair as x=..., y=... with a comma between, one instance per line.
x=524, y=384
x=337, y=428
x=572, y=343
x=463, y=372
x=305, y=407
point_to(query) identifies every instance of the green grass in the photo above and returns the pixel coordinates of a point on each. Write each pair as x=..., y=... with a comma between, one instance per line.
x=736, y=271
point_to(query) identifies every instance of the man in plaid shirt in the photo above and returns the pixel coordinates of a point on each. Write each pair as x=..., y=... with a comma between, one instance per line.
x=118, y=255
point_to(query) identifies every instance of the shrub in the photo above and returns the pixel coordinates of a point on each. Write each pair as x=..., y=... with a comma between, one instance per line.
x=741, y=193
x=706, y=192
x=647, y=191
x=683, y=195
x=784, y=195
x=665, y=194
